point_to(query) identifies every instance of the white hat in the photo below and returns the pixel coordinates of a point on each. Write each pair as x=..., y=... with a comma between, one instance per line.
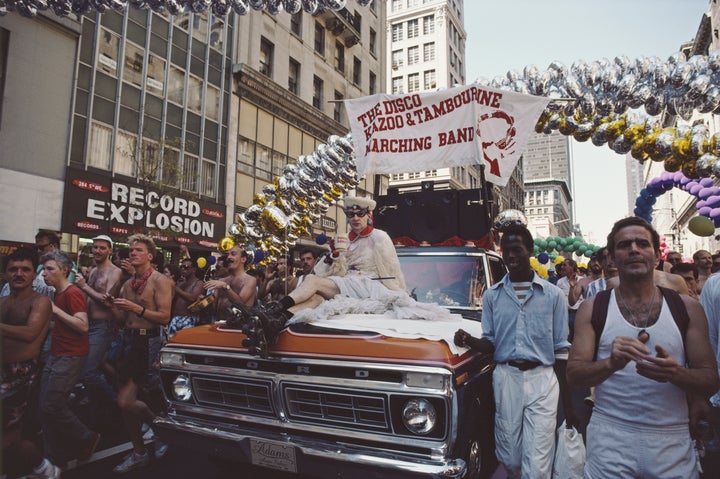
x=359, y=202
x=104, y=238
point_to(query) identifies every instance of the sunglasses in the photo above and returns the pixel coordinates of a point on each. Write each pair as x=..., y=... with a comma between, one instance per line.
x=359, y=214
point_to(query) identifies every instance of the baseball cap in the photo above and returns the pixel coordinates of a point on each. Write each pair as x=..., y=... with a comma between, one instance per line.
x=104, y=238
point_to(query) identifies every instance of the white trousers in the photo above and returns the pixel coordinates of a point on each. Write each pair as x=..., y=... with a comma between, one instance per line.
x=525, y=420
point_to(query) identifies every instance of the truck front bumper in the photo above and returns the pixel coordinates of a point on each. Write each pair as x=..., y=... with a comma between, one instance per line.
x=289, y=452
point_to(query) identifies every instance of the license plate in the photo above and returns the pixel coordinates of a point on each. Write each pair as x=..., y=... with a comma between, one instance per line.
x=273, y=455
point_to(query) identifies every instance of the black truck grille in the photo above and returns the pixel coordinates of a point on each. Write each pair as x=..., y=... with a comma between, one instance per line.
x=246, y=396
x=358, y=409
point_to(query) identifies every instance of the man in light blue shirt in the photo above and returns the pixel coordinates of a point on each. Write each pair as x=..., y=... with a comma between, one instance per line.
x=526, y=319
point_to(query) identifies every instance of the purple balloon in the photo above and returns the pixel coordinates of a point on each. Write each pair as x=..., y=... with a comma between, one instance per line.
x=695, y=189
x=700, y=204
x=678, y=176
x=690, y=184
x=705, y=193
x=704, y=211
x=707, y=182
x=654, y=183
x=715, y=213
x=685, y=180
x=666, y=176
x=713, y=202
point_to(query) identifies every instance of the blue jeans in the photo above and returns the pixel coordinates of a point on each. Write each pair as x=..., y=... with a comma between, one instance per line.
x=63, y=432
x=100, y=336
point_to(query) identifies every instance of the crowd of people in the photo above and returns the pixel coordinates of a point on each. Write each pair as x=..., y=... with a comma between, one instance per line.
x=102, y=327
x=641, y=331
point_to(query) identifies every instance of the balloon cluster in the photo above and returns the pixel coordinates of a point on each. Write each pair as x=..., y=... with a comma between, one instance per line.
x=704, y=190
x=508, y=217
x=571, y=244
x=286, y=209
x=203, y=262
x=601, y=94
x=30, y=8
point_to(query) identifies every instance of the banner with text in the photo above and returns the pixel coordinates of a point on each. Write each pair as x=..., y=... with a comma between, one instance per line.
x=458, y=126
x=94, y=203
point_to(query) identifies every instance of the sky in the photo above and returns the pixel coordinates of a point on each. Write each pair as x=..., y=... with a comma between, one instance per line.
x=504, y=35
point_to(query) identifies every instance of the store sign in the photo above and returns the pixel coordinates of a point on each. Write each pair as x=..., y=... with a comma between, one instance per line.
x=94, y=203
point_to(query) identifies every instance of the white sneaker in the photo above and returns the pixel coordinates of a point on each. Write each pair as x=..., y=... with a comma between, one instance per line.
x=51, y=471
x=160, y=449
x=132, y=461
x=148, y=434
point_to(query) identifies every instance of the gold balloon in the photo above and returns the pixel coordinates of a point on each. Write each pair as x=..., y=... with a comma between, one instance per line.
x=226, y=244
x=637, y=151
x=259, y=200
x=681, y=148
x=672, y=163
x=688, y=169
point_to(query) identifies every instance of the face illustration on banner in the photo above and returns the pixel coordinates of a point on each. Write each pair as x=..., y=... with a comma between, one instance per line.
x=496, y=132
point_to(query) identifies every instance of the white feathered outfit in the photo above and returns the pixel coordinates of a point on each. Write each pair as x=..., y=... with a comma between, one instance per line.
x=370, y=281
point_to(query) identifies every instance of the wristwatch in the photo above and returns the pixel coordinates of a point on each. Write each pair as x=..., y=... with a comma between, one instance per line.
x=227, y=286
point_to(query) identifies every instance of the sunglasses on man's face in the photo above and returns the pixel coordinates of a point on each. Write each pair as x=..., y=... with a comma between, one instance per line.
x=359, y=214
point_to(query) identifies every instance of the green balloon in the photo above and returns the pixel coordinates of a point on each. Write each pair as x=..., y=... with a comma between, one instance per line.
x=579, y=241
x=570, y=247
x=561, y=242
x=581, y=249
x=588, y=253
x=552, y=244
x=542, y=244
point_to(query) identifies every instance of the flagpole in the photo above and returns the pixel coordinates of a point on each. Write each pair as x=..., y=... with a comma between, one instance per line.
x=484, y=195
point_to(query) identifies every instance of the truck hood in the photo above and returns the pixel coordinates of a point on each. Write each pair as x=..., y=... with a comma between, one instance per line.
x=366, y=337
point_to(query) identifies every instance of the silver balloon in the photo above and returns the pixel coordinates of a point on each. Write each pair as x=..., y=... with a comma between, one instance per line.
x=292, y=6
x=241, y=7
x=508, y=217
x=257, y=4
x=336, y=5
x=311, y=6
x=705, y=165
x=221, y=8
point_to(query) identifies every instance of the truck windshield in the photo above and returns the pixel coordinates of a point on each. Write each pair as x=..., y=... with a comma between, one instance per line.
x=452, y=281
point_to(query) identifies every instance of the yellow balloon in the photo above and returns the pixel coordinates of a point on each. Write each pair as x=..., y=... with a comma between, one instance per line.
x=226, y=244
x=201, y=262
x=559, y=259
x=701, y=226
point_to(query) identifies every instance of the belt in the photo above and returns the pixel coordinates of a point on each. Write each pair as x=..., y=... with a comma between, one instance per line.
x=523, y=364
x=143, y=332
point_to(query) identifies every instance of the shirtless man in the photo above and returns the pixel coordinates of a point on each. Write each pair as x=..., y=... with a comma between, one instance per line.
x=142, y=308
x=704, y=262
x=239, y=287
x=186, y=291
x=101, y=280
x=595, y=271
x=24, y=322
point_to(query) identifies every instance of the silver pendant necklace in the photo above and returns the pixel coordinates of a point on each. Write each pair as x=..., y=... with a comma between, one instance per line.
x=643, y=331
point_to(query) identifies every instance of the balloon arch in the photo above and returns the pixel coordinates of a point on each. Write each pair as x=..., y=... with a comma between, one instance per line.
x=620, y=103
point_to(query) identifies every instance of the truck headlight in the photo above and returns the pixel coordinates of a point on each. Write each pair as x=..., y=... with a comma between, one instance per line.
x=168, y=359
x=181, y=388
x=419, y=416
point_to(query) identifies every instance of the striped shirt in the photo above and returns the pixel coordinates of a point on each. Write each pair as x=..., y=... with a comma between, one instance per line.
x=521, y=289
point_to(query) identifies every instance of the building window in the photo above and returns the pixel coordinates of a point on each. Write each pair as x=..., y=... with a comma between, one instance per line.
x=413, y=3
x=266, y=57
x=413, y=29
x=397, y=85
x=207, y=177
x=357, y=71
x=194, y=98
x=217, y=33
x=429, y=81
x=396, y=5
x=372, y=88
x=132, y=71
x=212, y=102
x=100, y=145
x=319, y=39
x=171, y=167
x=125, y=154
x=176, y=86
x=317, y=92
x=429, y=52
x=373, y=42
x=294, y=76
x=190, y=172
x=413, y=55
x=337, y=109
x=107, y=55
x=296, y=24
x=397, y=59
x=428, y=24
x=413, y=82
x=397, y=32
x=340, y=57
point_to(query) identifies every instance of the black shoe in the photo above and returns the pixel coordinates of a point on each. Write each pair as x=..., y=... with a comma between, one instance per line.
x=239, y=316
x=273, y=318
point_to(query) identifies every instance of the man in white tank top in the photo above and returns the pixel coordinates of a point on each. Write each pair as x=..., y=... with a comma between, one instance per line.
x=642, y=372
